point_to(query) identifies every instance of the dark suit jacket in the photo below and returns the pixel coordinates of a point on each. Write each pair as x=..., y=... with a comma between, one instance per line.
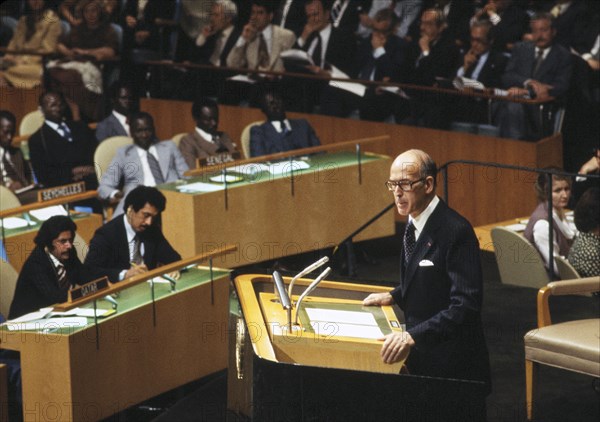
x=202, y=54
x=514, y=23
x=491, y=73
x=442, y=302
x=193, y=146
x=555, y=70
x=53, y=157
x=442, y=61
x=295, y=19
x=390, y=64
x=37, y=285
x=154, y=9
x=574, y=26
x=340, y=52
x=109, y=250
x=109, y=127
x=264, y=139
x=351, y=16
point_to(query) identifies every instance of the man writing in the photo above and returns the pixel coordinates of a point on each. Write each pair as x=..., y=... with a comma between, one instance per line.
x=441, y=284
x=132, y=243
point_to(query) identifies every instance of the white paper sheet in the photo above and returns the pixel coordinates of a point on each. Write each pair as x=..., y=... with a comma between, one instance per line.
x=517, y=227
x=230, y=178
x=32, y=316
x=343, y=317
x=199, y=187
x=48, y=324
x=43, y=214
x=13, y=223
x=242, y=78
x=284, y=167
x=250, y=169
x=346, y=330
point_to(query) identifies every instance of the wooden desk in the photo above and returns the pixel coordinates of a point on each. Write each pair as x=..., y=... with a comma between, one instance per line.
x=329, y=377
x=79, y=374
x=268, y=216
x=19, y=242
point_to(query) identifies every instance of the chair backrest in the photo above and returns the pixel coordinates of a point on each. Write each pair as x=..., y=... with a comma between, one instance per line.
x=80, y=246
x=8, y=199
x=9, y=22
x=31, y=122
x=65, y=27
x=177, y=138
x=245, y=138
x=106, y=150
x=565, y=269
x=8, y=282
x=519, y=263
x=119, y=30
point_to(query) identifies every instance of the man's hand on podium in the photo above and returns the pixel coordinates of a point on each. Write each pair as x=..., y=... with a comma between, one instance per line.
x=396, y=347
x=378, y=299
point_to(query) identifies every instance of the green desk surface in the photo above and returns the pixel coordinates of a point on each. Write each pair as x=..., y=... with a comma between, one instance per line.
x=141, y=295
x=317, y=162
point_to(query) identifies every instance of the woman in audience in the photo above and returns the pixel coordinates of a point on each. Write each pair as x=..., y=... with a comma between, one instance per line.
x=78, y=75
x=584, y=255
x=537, y=230
x=37, y=31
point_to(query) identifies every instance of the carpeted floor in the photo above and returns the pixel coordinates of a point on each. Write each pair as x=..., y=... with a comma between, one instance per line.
x=508, y=313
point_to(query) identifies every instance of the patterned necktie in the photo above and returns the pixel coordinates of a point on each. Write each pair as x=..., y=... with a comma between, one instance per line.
x=538, y=61
x=409, y=241
x=263, y=53
x=335, y=12
x=65, y=132
x=155, y=168
x=61, y=272
x=318, y=51
x=136, y=256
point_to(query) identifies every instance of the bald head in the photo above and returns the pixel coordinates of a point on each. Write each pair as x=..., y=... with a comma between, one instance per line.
x=417, y=170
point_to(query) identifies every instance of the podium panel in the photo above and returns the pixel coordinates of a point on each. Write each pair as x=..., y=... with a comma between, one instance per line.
x=279, y=374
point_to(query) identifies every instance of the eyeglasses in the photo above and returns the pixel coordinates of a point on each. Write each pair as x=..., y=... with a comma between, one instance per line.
x=405, y=185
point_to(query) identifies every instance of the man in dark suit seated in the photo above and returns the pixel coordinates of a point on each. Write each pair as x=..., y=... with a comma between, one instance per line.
x=206, y=141
x=509, y=22
x=278, y=133
x=441, y=283
x=61, y=151
x=539, y=69
x=381, y=57
x=435, y=56
x=51, y=270
x=290, y=15
x=147, y=162
x=132, y=243
x=124, y=102
x=482, y=64
x=14, y=171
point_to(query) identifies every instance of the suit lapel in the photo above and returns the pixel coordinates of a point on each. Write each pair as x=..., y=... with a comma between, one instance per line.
x=424, y=244
x=123, y=244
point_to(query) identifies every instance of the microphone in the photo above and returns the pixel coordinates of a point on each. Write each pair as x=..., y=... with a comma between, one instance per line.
x=112, y=301
x=305, y=271
x=283, y=296
x=171, y=281
x=310, y=289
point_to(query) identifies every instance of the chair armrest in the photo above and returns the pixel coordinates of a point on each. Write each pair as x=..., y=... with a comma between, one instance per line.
x=562, y=288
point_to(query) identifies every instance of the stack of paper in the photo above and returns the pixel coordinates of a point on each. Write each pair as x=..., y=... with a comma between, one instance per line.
x=43, y=214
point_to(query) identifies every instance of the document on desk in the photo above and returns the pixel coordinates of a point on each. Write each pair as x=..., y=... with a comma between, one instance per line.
x=344, y=323
x=198, y=187
x=13, y=223
x=352, y=87
x=517, y=227
x=250, y=169
x=283, y=168
x=47, y=324
x=43, y=214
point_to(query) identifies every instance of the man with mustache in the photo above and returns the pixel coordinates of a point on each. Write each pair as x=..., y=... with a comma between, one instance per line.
x=132, y=243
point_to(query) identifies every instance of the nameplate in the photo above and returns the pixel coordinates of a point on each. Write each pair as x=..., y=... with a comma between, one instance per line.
x=89, y=289
x=61, y=191
x=221, y=158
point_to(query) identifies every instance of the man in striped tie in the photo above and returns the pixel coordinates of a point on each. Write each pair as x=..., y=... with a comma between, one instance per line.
x=51, y=270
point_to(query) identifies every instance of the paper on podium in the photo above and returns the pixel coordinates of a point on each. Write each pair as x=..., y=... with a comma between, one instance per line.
x=199, y=187
x=352, y=87
x=250, y=169
x=344, y=323
x=43, y=214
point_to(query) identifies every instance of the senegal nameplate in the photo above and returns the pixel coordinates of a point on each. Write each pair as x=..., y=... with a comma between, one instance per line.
x=61, y=191
x=89, y=289
x=221, y=158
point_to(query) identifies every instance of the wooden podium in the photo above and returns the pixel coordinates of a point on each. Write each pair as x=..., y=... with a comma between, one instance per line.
x=320, y=370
